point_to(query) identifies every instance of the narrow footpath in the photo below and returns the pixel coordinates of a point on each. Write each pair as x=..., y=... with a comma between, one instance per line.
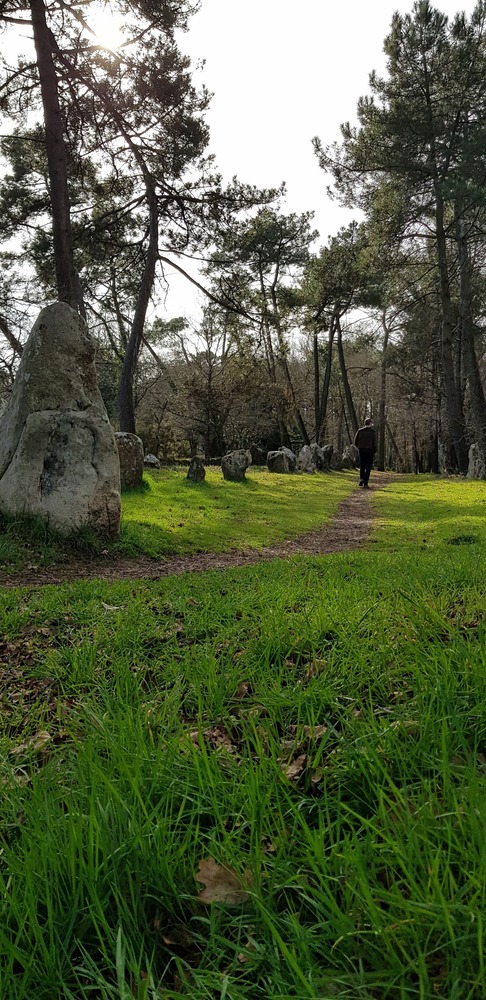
x=348, y=529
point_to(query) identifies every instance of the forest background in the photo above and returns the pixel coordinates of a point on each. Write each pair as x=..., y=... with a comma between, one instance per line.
x=294, y=344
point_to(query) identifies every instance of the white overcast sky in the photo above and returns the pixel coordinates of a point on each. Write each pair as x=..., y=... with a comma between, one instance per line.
x=281, y=72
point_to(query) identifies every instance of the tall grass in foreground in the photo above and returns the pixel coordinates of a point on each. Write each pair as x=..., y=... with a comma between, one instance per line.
x=318, y=726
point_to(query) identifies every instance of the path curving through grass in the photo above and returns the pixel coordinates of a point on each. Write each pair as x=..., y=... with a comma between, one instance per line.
x=348, y=529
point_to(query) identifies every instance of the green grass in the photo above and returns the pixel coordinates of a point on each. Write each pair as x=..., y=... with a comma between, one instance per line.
x=428, y=511
x=317, y=724
x=170, y=515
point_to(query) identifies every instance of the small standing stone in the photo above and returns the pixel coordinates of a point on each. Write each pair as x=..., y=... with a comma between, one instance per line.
x=278, y=462
x=476, y=468
x=327, y=451
x=130, y=453
x=305, y=461
x=291, y=456
x=319, y=458
x=235, y=464
x=351, y=457
x=196, y=472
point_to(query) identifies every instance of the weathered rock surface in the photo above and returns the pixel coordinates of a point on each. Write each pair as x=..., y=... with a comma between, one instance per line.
x=196, y=472
x=235, y=464
x=58, y=457
x=350, y=457
x=319, y=458
x=328, y=451
x=151, y=461
x=277, y=462
x=352, y=452
x=130, y=453
x=476, y=468
x=336, y=461
x=305, y=460
x=292, y=457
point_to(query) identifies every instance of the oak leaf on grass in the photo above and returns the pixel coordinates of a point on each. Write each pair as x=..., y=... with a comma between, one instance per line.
x=222, y=883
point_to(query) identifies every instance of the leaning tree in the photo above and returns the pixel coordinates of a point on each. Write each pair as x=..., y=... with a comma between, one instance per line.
x=110, y=145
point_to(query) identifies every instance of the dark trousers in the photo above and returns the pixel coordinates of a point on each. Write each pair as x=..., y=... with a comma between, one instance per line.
x=366, y=456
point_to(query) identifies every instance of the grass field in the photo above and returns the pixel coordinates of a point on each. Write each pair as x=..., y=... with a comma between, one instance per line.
x=170, y=515
x=265, y=782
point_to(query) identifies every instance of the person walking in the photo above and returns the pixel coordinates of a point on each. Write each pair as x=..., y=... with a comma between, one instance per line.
x=365, y=441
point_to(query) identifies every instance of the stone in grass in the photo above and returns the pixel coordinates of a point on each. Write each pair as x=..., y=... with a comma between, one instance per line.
x=277, y=462
x=319, y=458
x=476, y=467
x=327, y=451
x=235, y=464
x=350, y=457
x=196, y=472
x=305, y=460
x=130, y=453
x=151, y=461
x=291, y=456
x=58, y=456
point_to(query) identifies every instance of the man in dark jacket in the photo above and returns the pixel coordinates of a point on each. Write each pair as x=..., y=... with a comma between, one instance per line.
x=365, y=441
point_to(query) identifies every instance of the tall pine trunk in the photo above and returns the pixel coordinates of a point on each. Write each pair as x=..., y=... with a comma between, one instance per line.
x=472, y=373
x=126, y=402
x=67, y=279
x=344, y=376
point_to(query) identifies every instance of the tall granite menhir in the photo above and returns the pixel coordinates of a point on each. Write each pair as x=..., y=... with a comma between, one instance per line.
x=58, y=456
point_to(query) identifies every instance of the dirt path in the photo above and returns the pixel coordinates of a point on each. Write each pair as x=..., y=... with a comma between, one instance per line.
x=348, y=529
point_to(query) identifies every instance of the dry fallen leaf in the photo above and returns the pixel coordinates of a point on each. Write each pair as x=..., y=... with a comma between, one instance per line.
x=241, y=691
x=222, y=884
x=37, y=742
x=295, y=768
x=219, y=738
x=112, y=607
x=311, y=732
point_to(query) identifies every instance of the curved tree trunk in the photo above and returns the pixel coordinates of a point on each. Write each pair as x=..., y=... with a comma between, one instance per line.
x=282, y=358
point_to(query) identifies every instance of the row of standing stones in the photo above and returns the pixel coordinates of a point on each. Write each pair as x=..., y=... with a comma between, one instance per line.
x=234, y=465
x=60, y=458
x=311, y=458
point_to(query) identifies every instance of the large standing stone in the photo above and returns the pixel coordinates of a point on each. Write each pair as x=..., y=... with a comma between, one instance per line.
x=196, y=472
x=58, y=457
x=130, y=453
x=336, y=462
x=277, y=462
x=353, y=453
x=235, y=464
